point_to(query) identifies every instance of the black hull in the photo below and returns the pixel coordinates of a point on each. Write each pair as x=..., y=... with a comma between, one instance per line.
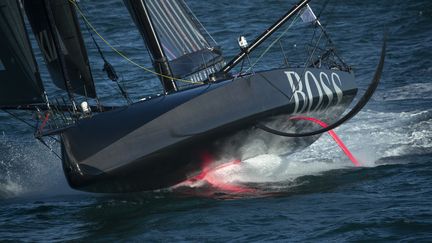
x=158, y=143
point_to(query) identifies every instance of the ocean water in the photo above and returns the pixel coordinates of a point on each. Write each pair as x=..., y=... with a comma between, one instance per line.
x=313, y=195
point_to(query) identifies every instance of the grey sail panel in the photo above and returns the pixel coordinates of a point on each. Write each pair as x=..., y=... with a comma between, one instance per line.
x=175, y=28
x=20, y=82
x=56, y=27
x=185, y=45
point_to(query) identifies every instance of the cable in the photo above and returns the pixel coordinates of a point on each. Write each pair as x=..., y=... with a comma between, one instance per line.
x=197, y=20
x=274, y=42
x=19, y=119
x=34, y=127
x=51, y=150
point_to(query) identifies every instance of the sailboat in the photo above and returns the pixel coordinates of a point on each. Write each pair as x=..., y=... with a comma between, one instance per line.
x=160, y=141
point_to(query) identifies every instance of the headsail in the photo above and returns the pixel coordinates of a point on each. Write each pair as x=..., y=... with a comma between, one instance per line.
x=56, y=27
x=20, y=81
x=187, y=48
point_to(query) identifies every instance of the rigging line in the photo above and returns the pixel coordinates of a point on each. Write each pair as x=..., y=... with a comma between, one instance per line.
x=330, y=42
x=108, y=68
x=19, y=118
x=327, y=35
x=40, y=139
x=294, y=89
x=273, y=43
x=86, y=11
x=312, y=46
x=96, y=44
x=297, y=85
x=123, y=55
x=50, y=148
x=28, y=124
x=275, y=87
x=197, y=20
x=308, y=62
x=323, y=9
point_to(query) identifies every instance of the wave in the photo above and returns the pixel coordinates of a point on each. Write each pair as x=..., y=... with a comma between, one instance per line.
x=407, y=92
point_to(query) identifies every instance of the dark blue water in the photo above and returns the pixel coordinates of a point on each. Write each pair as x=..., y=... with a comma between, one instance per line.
x=315, y=195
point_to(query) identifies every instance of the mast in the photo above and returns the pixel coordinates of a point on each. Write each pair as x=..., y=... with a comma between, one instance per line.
x=143, y=20
x=236, y=60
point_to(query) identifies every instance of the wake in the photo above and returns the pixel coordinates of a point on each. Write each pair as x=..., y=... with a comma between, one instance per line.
x=374, y=138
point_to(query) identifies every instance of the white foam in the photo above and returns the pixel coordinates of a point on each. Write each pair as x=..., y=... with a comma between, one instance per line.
x=273, y=168
x=371, y=136
x=10, y=189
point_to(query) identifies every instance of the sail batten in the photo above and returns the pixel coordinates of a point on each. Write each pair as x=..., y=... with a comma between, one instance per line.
x=20, y=82
x=179, y=23
x=163, y=24
x=187, y=49
x=196, y=35
x=171, y=16
x=166, y=30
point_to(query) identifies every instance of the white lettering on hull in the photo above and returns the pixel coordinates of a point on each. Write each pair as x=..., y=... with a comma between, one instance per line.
x=312, y=93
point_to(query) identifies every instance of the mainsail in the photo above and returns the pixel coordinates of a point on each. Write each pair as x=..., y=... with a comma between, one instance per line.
x=20, y=82
x=179, y=36
x=56, y=27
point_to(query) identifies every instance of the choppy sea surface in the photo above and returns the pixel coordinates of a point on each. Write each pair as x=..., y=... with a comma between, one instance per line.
x=314, y=195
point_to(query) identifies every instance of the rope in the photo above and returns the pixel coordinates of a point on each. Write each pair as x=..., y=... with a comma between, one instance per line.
x=50, y=148
x=18, y=118
x=273, y=43
x=123, y=55
x=197, y=20
x=34, y=127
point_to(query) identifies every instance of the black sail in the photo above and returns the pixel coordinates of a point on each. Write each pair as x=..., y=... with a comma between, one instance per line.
x=20, y=82
x=190, y=52
x=56, y=27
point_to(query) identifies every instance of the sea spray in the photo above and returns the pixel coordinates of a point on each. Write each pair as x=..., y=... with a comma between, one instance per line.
x=28, y=167
x=372, y=137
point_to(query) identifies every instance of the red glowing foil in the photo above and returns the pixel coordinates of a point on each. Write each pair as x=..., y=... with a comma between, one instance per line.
x=208, y=170
x=333, y=135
